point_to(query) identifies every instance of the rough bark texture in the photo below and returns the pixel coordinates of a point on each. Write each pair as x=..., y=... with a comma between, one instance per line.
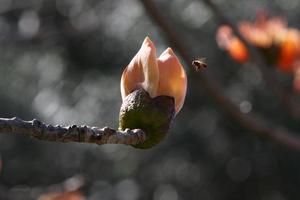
x=75, y=133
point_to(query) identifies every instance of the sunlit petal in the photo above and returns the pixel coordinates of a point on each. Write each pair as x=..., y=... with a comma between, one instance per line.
x=173, y=81
x=142, y=71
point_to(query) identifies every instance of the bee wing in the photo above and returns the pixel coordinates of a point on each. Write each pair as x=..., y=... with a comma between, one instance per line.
x=202, y=60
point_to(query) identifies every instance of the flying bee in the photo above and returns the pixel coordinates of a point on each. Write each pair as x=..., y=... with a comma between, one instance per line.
x=199, y=64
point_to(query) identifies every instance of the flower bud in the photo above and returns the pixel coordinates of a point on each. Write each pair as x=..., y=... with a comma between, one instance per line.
x=153, y=92
x=157, y=76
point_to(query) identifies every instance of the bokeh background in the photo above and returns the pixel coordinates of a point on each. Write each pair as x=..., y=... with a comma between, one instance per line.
x=61, y=62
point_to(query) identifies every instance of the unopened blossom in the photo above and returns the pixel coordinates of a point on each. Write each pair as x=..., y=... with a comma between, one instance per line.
x=158, y=76
x=153, y=91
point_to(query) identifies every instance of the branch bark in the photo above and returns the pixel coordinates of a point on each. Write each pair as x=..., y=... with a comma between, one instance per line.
x=75, y=133
x=250, y=123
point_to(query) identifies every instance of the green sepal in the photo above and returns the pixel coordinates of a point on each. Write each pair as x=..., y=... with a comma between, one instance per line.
x=152, y=115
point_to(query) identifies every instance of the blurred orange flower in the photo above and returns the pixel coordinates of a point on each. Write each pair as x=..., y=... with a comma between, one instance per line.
x=290, y=50
x=72, y=195
x=279, y=44
x=158, y=76
x=228, y=41
x=263, y=32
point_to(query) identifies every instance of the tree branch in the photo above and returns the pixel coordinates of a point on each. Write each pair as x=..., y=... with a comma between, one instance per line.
x=285, y=97
x=253, y=125
x=75, y=133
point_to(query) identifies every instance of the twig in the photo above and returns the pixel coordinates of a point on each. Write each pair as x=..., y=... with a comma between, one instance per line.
x=75, y=133
x=253, y=125
x=271, y=82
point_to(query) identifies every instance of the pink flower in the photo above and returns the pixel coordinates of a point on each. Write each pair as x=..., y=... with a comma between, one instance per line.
x=158, y=76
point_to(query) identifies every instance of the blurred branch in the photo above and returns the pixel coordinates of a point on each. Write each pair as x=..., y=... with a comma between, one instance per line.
x=253, y=125
x=271, y=82
x=75, y=133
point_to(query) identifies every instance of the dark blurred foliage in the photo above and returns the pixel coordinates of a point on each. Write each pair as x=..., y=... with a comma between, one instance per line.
x=61, y=62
